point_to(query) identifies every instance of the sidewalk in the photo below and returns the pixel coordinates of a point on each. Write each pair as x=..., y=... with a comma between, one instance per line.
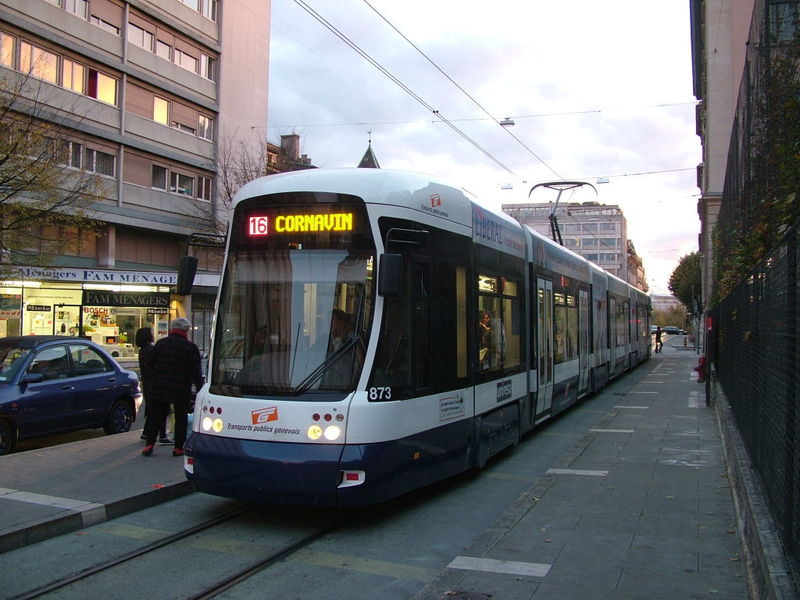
x=640, y=509
x=57, y=490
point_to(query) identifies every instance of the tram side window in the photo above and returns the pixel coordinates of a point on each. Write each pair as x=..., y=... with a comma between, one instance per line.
x=499, y=338
x=566, y=326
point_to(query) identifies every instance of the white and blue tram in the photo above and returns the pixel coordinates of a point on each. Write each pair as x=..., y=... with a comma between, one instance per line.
x=378, y=331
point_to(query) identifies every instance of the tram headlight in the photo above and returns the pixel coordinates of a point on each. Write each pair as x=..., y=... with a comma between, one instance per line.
x=314, y=432
x=207, y=423
x=217, y=425
x=332, y=433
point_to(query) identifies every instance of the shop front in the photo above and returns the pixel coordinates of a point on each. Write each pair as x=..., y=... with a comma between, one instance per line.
x=105, y=306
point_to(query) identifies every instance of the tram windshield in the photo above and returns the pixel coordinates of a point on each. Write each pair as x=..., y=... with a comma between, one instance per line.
x=293, y=319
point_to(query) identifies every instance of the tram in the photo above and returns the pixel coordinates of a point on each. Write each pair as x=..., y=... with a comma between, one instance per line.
x=377, y=331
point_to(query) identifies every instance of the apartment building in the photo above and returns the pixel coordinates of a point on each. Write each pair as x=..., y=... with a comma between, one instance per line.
x=144, y=92
x=598, y=232
x=720, y=32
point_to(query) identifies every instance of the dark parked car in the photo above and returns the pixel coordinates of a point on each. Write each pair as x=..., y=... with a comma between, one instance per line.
x=672, y=330
x=53, y=384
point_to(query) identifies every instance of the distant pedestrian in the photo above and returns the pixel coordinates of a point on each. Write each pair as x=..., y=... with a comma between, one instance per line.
x=176, y=369
x=145, y=342
x=659, y=343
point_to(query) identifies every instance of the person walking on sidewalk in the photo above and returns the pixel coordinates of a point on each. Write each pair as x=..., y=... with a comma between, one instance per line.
x=145, y=342
x=176, y=368
x=659, y=343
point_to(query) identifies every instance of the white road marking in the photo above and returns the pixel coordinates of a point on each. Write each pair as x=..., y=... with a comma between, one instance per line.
x=612, y=430
x=490, y=565
x=576, y=472
x=91, y=512
x=637, y=407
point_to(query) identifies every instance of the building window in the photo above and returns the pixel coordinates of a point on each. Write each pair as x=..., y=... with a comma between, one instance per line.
x=140, y=37
x=77, y=7
x=102, y=87
x=609, y=242
x=71, y=153
x=210, y=9
x=181, y=184
x=204, y=188
x=163, y=50
x=193, y=4
x=159, y=177
x=99, y=162
x=187, y=61
x=205, y=127
x=73, y=76
x=38, y=63
x=160, y=110
x=182, y=127
x=7, y=50
x=208, y=67
x=104, y=25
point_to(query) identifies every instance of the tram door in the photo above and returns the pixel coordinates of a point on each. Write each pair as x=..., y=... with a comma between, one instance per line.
x=544, y=293
x=583, y=341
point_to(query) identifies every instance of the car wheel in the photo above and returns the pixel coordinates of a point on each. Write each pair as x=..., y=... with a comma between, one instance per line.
x=119, y=418
x=8, y=437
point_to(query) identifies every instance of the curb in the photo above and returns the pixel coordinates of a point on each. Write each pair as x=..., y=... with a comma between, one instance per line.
x=92, y=514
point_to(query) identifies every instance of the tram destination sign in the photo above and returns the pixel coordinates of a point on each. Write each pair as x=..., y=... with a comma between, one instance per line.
x=137, y=299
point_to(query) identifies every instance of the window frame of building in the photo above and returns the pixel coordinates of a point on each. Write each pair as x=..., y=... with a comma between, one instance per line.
x=208, y=67
x=71, y=154
x=97, y=86
x=177, y=181
x=204, y=188
x=139, y=36
x=8, y=49
x=31, y=62
x=205, y=127
x=73, y=76
x=97, y=161
x=104, y=25
x=161, y=111
x=158, y=172
x=209, y=10
x=162, y=48
x=185, y=60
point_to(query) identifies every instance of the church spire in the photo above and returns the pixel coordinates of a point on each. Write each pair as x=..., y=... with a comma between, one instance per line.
x=369, y=161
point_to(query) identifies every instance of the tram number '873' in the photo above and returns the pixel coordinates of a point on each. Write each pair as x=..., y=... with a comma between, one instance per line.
x=380, y=393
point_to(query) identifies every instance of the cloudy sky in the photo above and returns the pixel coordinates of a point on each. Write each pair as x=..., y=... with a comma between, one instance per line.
x=596, y=90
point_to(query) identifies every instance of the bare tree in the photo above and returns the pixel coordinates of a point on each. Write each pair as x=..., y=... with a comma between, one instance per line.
x=41, y=197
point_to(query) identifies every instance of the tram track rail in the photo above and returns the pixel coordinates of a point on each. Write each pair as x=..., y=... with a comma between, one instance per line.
x=210, y=591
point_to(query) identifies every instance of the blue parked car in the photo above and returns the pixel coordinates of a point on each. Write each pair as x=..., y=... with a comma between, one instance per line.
x=54, y=384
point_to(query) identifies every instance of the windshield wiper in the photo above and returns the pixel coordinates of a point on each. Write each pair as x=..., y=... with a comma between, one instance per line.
x=312, y=377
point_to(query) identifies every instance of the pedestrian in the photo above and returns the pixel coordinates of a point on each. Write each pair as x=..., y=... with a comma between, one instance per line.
x=145, y=342
x=659, y=343
x=176, y=370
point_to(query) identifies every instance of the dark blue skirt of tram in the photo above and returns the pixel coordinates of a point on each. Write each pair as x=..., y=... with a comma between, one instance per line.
x=309, y=474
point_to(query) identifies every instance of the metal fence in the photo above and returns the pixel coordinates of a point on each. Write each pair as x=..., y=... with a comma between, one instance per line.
x=754, y=344
x=757, y=363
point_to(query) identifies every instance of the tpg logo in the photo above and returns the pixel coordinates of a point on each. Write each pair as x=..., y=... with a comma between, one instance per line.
x=264, y=415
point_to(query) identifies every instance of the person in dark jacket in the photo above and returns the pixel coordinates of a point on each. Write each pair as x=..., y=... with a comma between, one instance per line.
x=145, y=342
x=176, y=369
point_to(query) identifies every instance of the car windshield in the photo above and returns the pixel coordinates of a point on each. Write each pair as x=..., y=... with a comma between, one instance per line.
x=11, y=359
x=292, y=321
